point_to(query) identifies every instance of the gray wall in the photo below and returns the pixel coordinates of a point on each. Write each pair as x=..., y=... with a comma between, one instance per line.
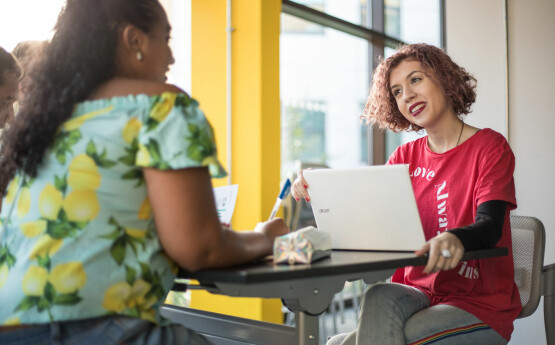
x=479, y=38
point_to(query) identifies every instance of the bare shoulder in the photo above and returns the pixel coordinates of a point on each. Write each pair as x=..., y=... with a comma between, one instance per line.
x=123, y=87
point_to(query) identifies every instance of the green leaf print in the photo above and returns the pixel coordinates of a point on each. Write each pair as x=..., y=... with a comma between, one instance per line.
x=6, y=257
x=67, y=299
x=129, y=159
x=183, y=100
x=145, y=269
x=64, y=142
x=73, y=137
x=44, y=261
x=112, y=236
x=201, y=145
x=99, y=160
x=60, y=230
x=27, y=303
x=130, y=275
x=118, y=250
x=60, y=183
x=91, y=148
x=154, y=150
x=132, y=174
x=61, y=157
x=43, y=304
x=49, y=292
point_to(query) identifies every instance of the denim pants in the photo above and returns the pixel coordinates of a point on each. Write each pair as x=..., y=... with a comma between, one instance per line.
x=104, y=331
x=399, y=314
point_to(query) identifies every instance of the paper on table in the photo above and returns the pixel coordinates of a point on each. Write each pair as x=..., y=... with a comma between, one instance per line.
x=225, y=202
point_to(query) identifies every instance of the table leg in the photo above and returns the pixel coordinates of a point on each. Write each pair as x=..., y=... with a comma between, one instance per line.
x=307, y=328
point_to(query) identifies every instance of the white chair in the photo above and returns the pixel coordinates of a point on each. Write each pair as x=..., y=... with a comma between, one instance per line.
x=532, y=278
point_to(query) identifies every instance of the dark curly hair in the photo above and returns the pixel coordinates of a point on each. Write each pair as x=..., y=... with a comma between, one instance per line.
x=458, y=85
x=80, y=57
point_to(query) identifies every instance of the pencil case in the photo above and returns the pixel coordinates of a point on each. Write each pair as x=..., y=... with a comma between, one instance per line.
x=303, y=246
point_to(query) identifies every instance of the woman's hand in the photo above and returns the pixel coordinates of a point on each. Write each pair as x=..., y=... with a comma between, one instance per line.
x=298, y=189
x=445, y=242
x=272, y=228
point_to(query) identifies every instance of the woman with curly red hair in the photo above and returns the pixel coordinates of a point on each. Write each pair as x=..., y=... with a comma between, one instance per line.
x=462, y=178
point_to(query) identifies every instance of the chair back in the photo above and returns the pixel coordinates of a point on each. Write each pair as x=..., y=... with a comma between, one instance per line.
x=528, y=235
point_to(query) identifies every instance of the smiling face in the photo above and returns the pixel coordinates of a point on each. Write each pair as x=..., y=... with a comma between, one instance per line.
x=8, y=95
x=157, y=54
x=419, y=95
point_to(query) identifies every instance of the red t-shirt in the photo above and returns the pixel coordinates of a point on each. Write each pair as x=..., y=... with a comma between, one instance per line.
x=448, y=188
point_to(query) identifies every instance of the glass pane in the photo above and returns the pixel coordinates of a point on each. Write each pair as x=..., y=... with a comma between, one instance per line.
x=323, y=85
x=413, y=21
x=354, y=11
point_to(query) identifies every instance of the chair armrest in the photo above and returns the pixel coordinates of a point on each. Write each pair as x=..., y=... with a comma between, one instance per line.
x=548, y=277
x=548, y=291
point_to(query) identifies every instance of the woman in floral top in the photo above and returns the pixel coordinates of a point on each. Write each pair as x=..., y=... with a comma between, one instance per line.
x=107, y=187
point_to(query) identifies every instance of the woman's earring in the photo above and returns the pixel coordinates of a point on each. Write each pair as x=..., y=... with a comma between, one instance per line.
x=139, y=56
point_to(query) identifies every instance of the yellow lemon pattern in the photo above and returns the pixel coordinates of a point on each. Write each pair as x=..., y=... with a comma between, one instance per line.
x=145, y=210
x=116, y=296
x=24, y=202
x=34, y=281
x=77, y=122
x=136, y=233
x=33, y=229
x=81, y=206
x=12, y=190
x=83, y=173
x=161, y=109
x=14, y=321
x=133, y=297
x=131, y=130
x=68, y=277
x=81, y=240
x=50, y=202
x=46, y=246
x=143, y=156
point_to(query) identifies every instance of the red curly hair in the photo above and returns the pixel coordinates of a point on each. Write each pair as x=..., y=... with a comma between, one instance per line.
x=458, y=86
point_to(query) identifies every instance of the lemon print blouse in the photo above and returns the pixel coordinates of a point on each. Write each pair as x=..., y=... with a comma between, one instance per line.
x=79, y=239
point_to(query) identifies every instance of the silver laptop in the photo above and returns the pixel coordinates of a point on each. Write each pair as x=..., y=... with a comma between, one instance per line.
x=369, y=208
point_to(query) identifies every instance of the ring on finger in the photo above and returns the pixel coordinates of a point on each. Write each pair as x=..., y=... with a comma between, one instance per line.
x=446, y=253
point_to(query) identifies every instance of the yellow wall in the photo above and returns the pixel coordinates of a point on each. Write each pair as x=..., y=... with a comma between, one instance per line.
x=256, y=117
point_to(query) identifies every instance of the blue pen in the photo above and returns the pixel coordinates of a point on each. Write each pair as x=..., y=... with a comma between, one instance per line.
x=282, y=195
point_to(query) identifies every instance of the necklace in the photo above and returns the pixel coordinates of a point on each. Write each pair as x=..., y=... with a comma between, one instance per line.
x=460, y=134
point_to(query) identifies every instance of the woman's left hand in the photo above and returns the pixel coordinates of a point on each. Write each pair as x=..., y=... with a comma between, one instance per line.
x=444, y=252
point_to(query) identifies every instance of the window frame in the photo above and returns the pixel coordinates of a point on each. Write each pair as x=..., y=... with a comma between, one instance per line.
x=377, y=41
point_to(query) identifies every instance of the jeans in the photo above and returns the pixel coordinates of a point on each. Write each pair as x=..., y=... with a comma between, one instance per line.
x=398, y=314
x=105, y=331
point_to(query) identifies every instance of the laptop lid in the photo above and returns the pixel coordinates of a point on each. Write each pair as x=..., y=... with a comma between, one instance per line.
x=368, y=208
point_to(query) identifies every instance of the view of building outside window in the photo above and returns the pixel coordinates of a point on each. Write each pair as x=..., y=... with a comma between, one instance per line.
x=325, y=79
x=323, y=85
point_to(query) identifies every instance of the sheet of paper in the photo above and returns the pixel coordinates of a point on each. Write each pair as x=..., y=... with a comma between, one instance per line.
x=226, y=196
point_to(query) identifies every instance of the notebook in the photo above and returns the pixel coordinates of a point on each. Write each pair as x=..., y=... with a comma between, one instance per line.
x=368, y=208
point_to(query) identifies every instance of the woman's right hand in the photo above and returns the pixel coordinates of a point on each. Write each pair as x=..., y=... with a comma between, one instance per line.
x=272, y=228
x=298, y=189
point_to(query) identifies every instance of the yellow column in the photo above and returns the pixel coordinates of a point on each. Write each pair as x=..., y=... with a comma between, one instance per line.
x=255, y=112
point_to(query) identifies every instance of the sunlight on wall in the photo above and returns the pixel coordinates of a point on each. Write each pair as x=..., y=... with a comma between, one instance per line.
x=23, y=20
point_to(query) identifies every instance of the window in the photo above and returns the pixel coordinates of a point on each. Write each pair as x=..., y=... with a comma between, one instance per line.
x=326, y=59
x=324, y=82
